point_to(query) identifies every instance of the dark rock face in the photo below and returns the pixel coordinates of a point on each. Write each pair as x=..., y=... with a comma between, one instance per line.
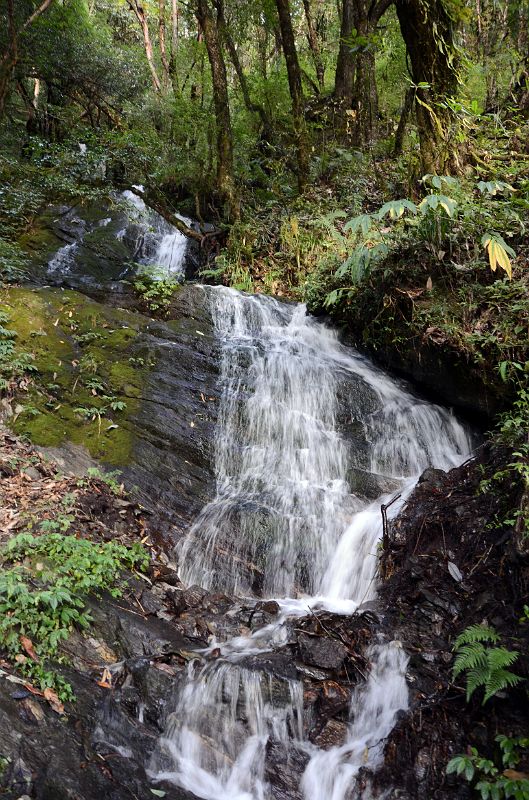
x=449, y=568
x=325, y=653
x=100, y=749
x=172, y=456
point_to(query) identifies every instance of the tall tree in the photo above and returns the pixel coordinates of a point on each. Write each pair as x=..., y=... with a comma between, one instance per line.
x=141, y=15
x=225, y=173
x=355, y=81
x=345, y=65
x=251, y=105
x=296, y=91
x=9, y=59
x=314, y=44
x=161, y=39
x=428, y=28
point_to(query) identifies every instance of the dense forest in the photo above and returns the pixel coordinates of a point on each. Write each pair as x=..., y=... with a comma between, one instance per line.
x=264, y=399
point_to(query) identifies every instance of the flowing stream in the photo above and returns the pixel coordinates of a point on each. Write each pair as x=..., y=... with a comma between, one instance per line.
x=311, y=440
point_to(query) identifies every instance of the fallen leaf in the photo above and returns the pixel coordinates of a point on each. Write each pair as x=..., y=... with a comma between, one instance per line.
x=27, y=645
x=455, y=572
x=54, y=701
x=106, y=680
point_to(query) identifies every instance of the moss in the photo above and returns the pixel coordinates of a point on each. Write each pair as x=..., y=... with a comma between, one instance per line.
x=83, y=352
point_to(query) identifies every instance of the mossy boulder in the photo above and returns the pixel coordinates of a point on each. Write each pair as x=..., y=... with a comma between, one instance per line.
x=87, y=381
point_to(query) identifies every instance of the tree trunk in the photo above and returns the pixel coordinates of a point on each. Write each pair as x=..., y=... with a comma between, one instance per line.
x=403, y=121
x=427, y=30
x=254, y=108
x=314, y=45
x=175, y=22
x=345, y=65
x=296, y=91
x=161, y=40
x=225, y=176
x=141, y=16
x=10, y=58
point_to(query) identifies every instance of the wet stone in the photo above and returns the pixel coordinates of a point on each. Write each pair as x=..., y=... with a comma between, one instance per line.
x=322, y=652
x=333, y=734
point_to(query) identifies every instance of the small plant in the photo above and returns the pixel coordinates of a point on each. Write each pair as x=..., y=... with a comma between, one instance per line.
x=44, y=583
x=490, y=781
x=155, y=288
x=14, y=363
x=485, y=664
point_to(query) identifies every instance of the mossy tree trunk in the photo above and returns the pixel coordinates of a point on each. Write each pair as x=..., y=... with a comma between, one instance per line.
x=428, y=31
x=314, y=44
x=224, y=137
x=296, y=91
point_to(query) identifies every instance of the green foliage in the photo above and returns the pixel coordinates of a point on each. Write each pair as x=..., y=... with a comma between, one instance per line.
x=485, y=664
x=155, y=288
x=14, y=362
x=44, y=583
x=108, y=478
x=13, y=261
x=488, y=778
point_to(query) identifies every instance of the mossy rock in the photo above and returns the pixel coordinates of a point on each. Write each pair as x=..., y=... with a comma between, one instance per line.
x=89, y=378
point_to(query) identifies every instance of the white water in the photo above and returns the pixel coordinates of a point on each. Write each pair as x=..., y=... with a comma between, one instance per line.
x=159, y=244
x=165, y=247
x=62, y=260
x=285, y=521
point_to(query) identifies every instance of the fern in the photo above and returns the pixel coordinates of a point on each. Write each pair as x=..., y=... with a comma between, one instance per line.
x=476, y=633
x=485, y=665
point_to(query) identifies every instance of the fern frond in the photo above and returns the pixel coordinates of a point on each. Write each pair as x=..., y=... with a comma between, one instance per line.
x=500, y=657
x=476, y=678
x=498, y=681
x=476, y=633
x=470, y=656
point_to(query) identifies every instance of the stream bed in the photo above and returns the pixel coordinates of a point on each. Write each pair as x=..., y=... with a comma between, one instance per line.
x=266, y=449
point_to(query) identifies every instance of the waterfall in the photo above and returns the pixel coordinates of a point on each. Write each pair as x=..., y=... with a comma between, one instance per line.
x=152, y=241
x=63, y=259
x=287, y=523
x=162, y=245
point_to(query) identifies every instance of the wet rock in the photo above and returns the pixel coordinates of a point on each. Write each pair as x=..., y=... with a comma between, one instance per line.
x=322, y=651
x=284, y=768
x=434, y=477
x=269, y=607
x=333, y=734
x=334, y=698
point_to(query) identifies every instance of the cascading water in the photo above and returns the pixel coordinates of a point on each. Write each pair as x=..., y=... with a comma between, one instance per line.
x=162, y=245
x=287, y=524
x=152, y=241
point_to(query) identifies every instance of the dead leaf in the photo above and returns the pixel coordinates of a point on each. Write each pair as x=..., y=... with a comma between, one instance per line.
x=27, y=645
x=54, y=701
x=514, y=775
x=106, y=680
x=429, y=285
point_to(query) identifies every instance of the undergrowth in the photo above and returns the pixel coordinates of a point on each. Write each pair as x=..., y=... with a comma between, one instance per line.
x=45, y=580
